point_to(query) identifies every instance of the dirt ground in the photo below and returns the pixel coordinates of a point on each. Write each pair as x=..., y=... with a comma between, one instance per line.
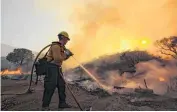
x=96, y=100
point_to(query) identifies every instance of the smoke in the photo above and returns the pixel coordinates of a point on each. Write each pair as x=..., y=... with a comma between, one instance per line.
x=158, y=76
x=26, y=68
x=99, y=27
x=107, y=27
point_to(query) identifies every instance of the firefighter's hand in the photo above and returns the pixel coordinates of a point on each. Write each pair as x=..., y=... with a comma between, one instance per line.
x=68, y=53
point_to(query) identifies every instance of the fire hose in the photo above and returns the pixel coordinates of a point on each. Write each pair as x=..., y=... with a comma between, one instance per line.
x=72, y=93
x=29, y=90
x=31, y=75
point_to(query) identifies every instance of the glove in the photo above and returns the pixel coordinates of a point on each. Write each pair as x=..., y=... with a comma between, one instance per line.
x=68, y=53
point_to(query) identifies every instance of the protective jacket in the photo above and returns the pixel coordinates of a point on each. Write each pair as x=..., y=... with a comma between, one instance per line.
x=56, y=54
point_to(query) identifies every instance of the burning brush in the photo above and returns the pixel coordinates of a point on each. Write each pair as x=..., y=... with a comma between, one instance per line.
x=11, y=72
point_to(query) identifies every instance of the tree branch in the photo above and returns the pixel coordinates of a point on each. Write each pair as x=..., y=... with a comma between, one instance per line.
x=167, y=54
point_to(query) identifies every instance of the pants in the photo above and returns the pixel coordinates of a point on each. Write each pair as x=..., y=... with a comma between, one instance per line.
x=52, y=80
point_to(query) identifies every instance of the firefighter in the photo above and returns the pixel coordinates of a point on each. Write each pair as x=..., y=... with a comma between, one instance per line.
x=54, y=77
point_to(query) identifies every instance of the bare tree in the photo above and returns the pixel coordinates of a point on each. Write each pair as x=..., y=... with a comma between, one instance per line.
x=168, y=46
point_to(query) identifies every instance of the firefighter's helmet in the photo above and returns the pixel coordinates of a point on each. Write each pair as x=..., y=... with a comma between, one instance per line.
x=64, y=34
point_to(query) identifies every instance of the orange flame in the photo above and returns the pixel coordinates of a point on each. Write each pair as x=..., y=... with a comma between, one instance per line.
x=161, y=79
x=11, y=72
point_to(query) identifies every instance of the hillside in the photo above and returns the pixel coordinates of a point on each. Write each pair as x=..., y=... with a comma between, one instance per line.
x=103, y=65
x=115, y=70
x=5, y=63
x=5, y=49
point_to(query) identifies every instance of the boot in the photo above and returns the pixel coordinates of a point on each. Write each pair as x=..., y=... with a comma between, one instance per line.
x=45, y=109
x=64, y=105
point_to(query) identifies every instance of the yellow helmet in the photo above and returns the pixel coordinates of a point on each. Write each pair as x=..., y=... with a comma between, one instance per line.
x=65, y=34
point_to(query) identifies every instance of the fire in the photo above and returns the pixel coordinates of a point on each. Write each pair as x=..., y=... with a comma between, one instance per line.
x=161, y=79
x=11, y=72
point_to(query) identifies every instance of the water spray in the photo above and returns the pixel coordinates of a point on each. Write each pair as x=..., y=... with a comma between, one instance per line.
x=93, y=77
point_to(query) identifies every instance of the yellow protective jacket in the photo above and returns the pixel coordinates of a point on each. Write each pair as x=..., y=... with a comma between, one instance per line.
x=56, y=54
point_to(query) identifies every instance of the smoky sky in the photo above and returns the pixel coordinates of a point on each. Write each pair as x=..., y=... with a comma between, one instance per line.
x=96, y=27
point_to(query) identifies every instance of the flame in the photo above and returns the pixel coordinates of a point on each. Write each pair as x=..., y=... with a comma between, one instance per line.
x=161, y=79
x=11, y=72
x=131, y=84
